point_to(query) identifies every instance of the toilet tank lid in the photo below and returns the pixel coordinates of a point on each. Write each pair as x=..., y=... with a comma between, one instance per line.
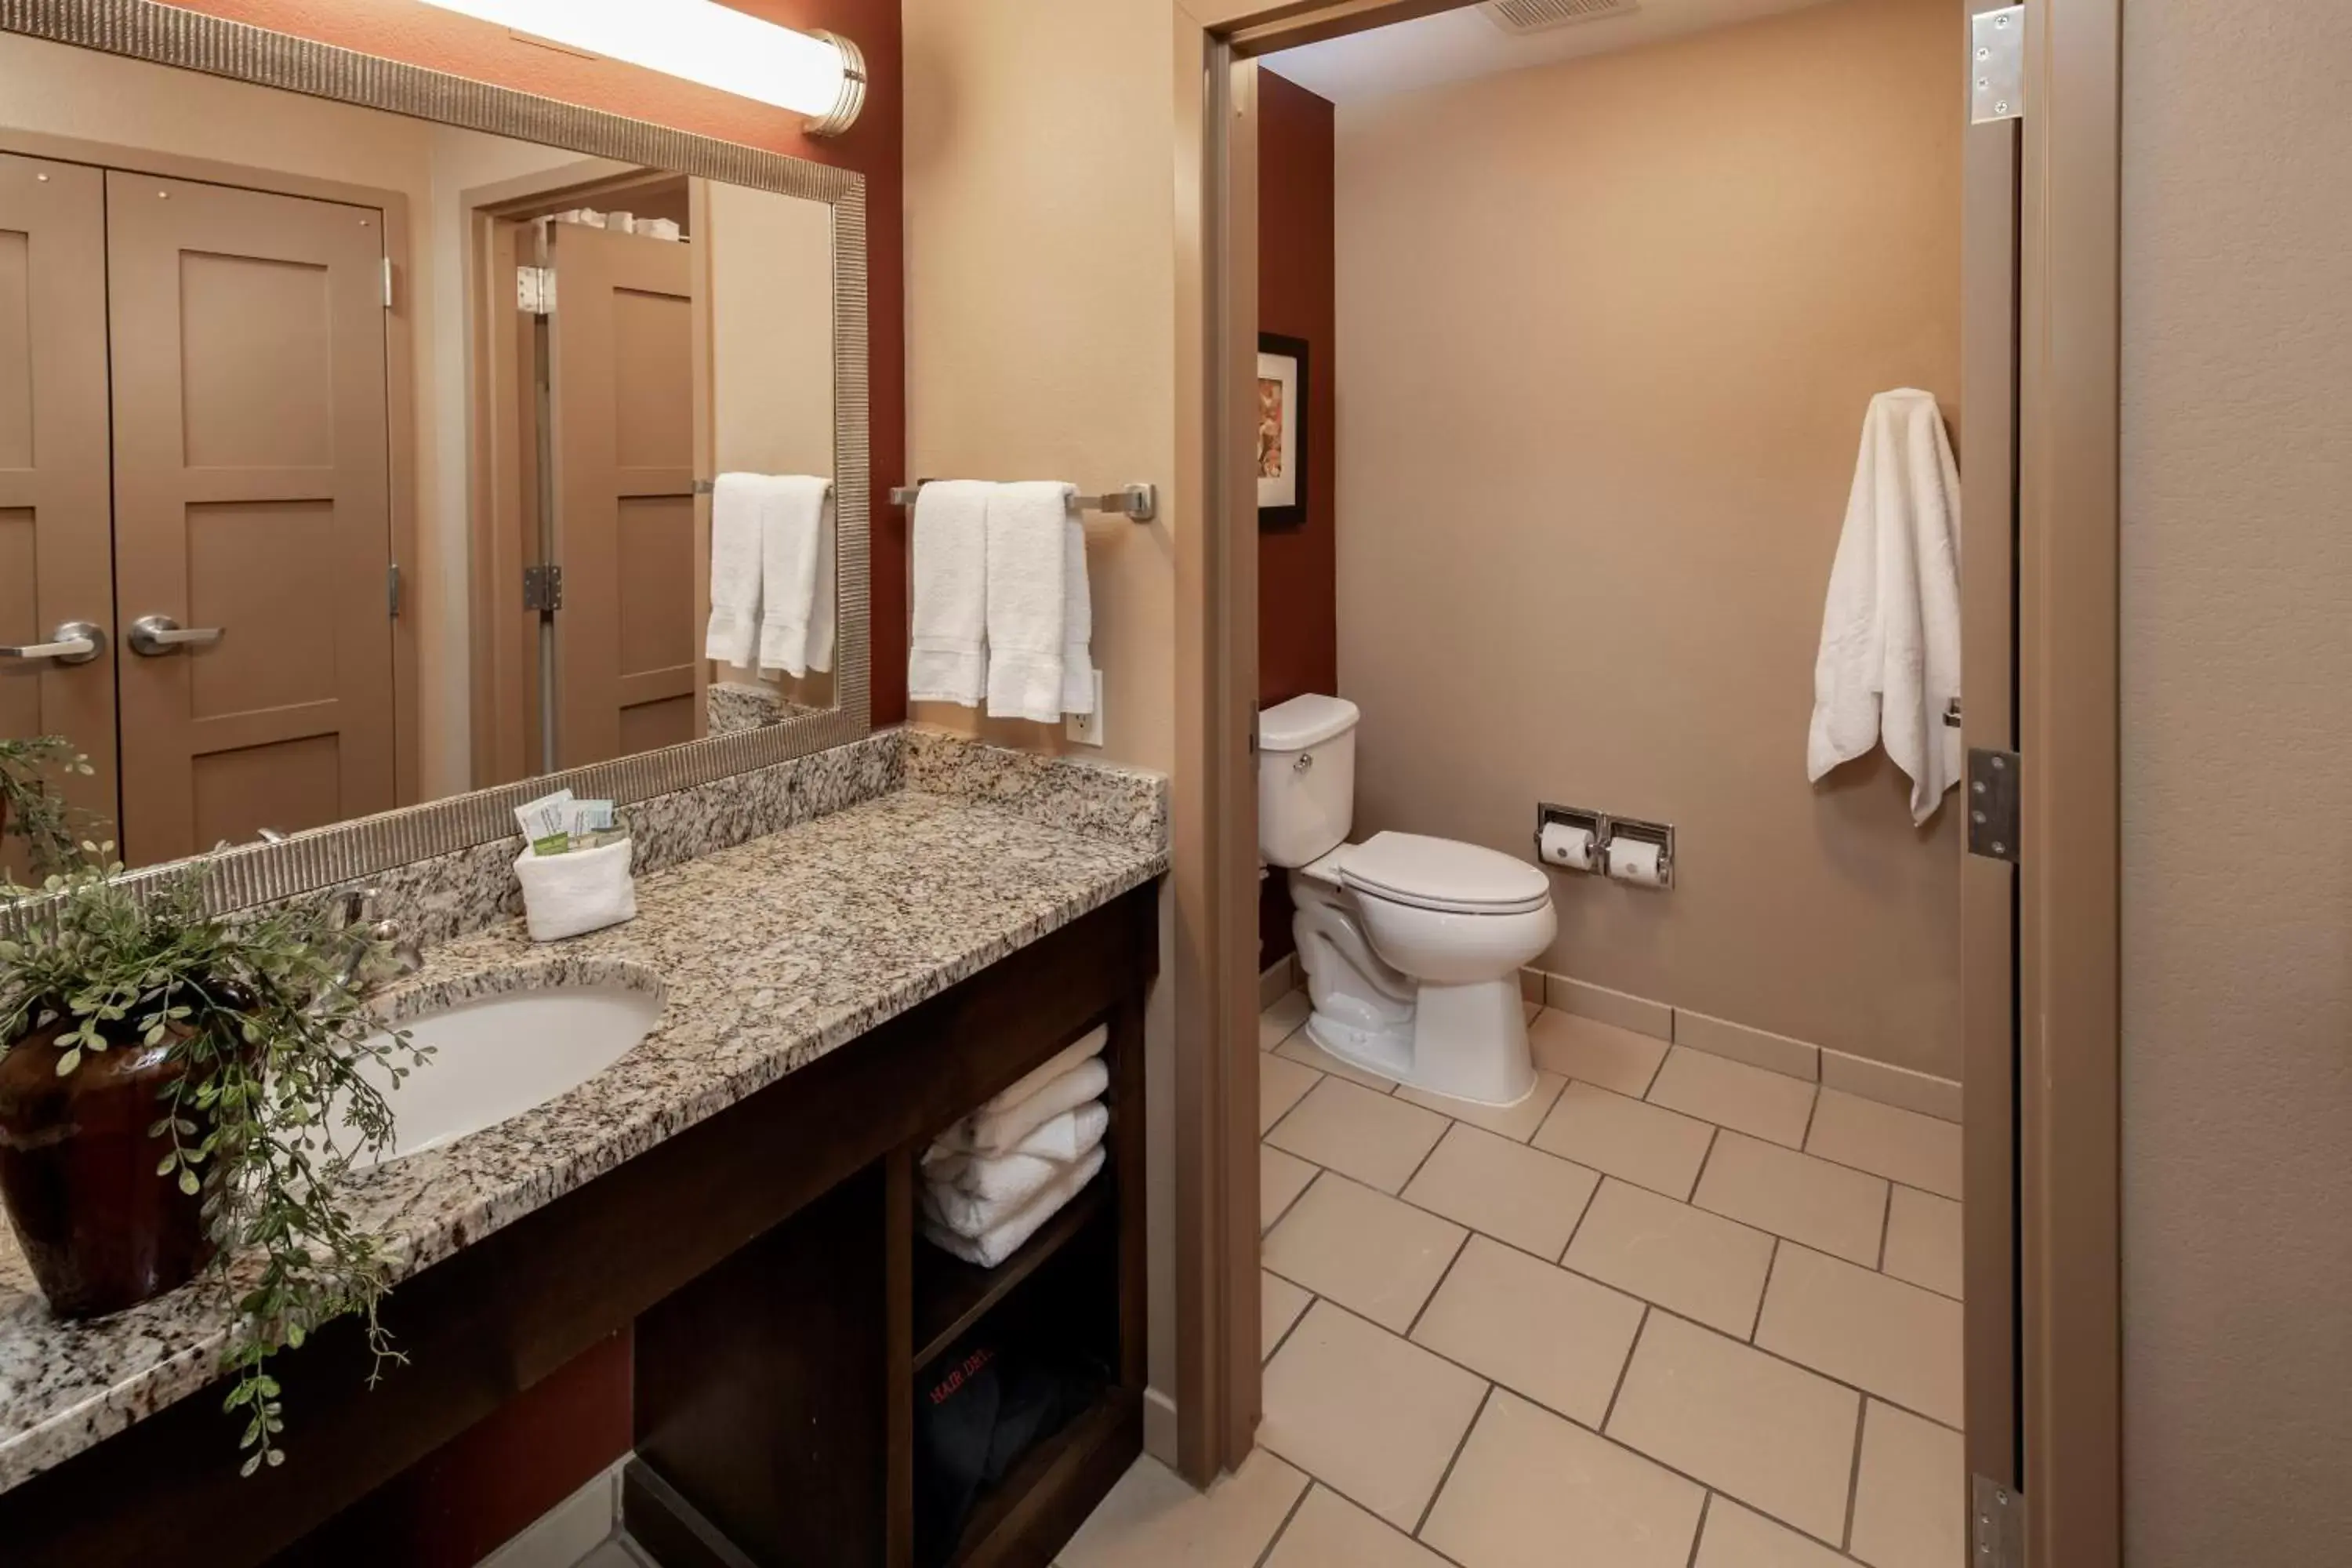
x=1304, y=721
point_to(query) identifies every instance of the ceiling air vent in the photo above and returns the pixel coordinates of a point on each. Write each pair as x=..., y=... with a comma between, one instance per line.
x=1538, y=15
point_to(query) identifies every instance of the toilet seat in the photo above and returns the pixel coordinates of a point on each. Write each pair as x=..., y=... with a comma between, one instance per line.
x=1441, y=875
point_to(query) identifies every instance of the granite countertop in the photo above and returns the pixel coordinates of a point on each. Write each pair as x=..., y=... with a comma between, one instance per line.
x=767, y=955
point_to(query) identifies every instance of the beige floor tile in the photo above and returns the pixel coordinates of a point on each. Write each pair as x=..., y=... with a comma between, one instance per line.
x=1153, y=1517
x=1378, y=1140
x=1554, y=1336
x=1531, y=1490
x=1683, y=1259
x=1281, y=1084
x=1771, y=1435
x=1894, y=1340
x=1923, y=1241
x=1279, y=1304
x=1626, y=1139
x=1511, y=1191
x=1826, y=1207
x=1329, y=1532
x=1763, y=1104
x=1277, y=1023
x=1910, y=1505
x=1373, y=1255
x=1518, y=1121
x=1580, y=1048
x=1902, y=1145
x=1307, y=1053
x=1372, y=1417
x=1280, y=1179
x=1735, y=1537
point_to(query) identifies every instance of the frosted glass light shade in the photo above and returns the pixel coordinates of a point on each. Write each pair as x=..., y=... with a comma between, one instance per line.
x=701, y=42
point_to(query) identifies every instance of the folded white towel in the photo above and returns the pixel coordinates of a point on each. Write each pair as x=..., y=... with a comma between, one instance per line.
x=993, y=1246
x=1078, y=624
x=1890, y=656
x=793, y=524
x=1028, y=610
x=1004, y=1183
x=733, y=636
x=947, y=655
x=1028, y=1165
x=995, y=1132
x=1084, y=1049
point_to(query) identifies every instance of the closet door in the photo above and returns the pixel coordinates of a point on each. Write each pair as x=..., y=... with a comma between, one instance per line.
x=252, y=509
x=57, y=551
x=627, y=648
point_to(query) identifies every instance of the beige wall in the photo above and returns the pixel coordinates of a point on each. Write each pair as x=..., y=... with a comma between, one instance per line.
x=2237, y=765
x=1608, y=330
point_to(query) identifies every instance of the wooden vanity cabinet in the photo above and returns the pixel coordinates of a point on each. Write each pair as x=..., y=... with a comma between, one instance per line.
x=782, y=1303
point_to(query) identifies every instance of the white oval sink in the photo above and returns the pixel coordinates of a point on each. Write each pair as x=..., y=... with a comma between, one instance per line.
x=499, y=1057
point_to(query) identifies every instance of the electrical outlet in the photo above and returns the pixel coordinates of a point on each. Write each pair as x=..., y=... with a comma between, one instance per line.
x=1086, y=728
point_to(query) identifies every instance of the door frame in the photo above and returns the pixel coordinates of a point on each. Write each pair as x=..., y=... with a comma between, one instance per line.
x=2067, y=1331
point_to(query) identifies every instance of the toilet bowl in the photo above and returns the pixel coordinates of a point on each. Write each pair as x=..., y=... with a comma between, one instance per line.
x=1411, y=945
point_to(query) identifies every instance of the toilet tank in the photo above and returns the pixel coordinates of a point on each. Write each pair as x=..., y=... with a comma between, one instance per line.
x=1306, y=778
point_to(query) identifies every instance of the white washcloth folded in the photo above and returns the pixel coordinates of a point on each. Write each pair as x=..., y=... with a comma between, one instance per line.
x=992, y=1248
x=736, y=502
x=1084, y=1049
x=793, y=522
x=1025, y=1167
x=1028, y=609
x=996, y=1131
x=1890, y=655
x=1005, y=1183
x=947, y=656
x=1078, y=624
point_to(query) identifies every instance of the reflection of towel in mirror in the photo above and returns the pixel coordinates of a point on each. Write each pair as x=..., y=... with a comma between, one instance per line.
x=736, y=503
x=1027, y=1166
x=994, y=1245
x=794, y=519
x=995, y=1132
x=947, y=655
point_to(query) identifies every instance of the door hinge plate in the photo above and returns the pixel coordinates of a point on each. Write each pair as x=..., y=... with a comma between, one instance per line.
x=392, y=591
x=1996, y=1525
x=387, y=282
x=535, y=290
x=1993, y=798
x=1997, y=64
x=543, y=588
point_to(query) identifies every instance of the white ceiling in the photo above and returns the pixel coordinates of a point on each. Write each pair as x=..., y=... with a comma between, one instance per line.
x=1454, y=45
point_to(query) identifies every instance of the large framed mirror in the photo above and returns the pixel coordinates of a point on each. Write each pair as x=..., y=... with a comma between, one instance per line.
x=380, y=448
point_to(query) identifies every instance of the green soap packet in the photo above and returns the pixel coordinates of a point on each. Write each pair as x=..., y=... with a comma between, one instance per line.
x=553, y=844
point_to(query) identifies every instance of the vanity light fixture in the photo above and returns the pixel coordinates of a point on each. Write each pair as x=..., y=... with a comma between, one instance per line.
x=818, y=74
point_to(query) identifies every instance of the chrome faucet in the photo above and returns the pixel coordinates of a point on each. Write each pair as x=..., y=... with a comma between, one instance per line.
x=376, y=952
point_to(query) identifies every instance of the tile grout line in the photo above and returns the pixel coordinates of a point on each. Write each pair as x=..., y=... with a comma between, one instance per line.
x=1831, y=1378
x=1853, y=1480
x=1885, y=1229
x=1439, y=1490
x=1284, y=1528
x=1293, y=1110
x=1591, y=1198
x=1625, y=1368
x=1422, y=1310
x=1755, y=1325
x=1813, y=1110
x=1450, y=1125
x=1698, y=1177
x=1704, y=1505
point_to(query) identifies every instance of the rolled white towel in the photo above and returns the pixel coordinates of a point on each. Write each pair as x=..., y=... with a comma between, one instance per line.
x=1020, y=1172
x=993, y=1246
x=996, y=1131
x=1084, y=1049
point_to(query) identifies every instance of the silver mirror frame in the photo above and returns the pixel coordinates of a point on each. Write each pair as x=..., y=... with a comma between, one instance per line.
x=321, y=858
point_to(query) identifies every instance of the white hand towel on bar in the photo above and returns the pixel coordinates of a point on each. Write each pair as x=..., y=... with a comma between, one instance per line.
x=947, y=658
x=1078, y=624
x=994, y=1132
x=995, y=1187
x=1890, y=654
x=736, y=503
x=1028, y=610
x=993, y=1246
x=792, y=527
x=1028, y=1165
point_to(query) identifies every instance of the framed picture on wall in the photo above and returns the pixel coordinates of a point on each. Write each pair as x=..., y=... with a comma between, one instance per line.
x=1281, y=431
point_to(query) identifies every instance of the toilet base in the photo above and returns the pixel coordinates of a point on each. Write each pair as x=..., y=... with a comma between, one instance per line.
x=1464, y=1042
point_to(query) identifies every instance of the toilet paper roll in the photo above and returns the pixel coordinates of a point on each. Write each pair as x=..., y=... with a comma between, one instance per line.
x=1565, y=844
x=1636, y=861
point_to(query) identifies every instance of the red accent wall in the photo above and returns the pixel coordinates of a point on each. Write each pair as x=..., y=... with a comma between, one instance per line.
x=422, y=35
x=1297, y=595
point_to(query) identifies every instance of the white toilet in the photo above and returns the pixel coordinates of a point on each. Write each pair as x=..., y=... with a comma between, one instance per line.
x=1413, y=946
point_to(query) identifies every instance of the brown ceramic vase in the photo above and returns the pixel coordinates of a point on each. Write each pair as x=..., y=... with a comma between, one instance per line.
x=101, y=1230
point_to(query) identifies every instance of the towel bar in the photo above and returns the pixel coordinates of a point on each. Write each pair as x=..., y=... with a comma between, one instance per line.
x=1137, y=503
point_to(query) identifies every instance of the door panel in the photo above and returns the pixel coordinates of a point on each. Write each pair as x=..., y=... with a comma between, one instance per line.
x=628, y=674
x=56, y=553
x=252, y=491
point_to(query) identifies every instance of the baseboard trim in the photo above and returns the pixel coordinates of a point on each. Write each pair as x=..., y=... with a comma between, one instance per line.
x=1279, y=979
x=1860, y=1076
x=1160, y=1432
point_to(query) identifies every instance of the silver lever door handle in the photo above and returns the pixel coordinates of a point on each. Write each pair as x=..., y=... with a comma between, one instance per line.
x=151, y=636
x=75, y=642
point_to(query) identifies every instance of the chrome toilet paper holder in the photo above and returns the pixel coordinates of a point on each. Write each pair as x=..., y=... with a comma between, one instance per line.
x=1606, y=828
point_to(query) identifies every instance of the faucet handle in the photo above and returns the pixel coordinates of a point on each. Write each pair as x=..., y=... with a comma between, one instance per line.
x=356, y=906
